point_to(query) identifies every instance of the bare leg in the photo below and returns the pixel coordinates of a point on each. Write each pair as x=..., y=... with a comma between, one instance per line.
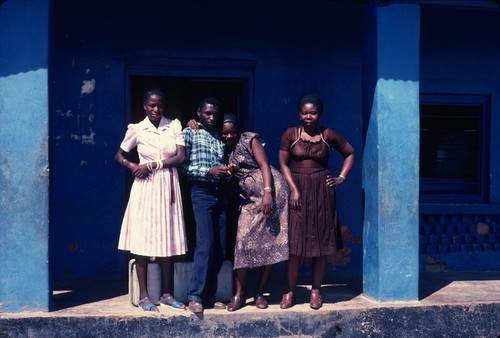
x=167, y=283
x=238, y=300
x=141, y=267
x=265, y=272
x=292, y=266
x=240, y=276
x=259, y=299
x=167, y=274
x=319, y=266
x=292, y=273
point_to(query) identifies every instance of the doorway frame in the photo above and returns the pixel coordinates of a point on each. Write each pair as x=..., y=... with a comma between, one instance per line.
x=214, y=70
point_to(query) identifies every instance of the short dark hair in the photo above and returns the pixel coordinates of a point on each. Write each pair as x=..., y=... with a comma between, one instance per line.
x=151, y=92
x=311, y=98
x=209, y=100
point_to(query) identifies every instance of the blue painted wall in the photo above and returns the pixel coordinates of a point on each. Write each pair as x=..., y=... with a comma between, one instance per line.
x=293, y=47
x=24, y=178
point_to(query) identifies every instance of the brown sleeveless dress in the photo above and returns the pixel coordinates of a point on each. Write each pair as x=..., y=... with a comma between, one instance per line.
x=314, y=230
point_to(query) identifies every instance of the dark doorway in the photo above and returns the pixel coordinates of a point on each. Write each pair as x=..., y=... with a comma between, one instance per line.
x=182, y=96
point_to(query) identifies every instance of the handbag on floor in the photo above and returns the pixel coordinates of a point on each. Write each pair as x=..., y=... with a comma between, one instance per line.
x=154, y=282
x=182, y=276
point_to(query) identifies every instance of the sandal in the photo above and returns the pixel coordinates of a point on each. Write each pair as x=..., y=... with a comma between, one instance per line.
x=174, y=304
x=315, y=300
x=148, y=307
x=287, y=301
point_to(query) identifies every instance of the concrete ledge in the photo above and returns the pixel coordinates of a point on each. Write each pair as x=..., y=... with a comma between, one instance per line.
x=465, y=304
x=478, y=320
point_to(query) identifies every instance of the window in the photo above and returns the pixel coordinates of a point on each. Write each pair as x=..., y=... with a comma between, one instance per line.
x=454, y=143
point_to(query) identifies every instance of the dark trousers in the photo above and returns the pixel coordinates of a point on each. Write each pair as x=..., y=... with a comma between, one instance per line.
x=209, y=206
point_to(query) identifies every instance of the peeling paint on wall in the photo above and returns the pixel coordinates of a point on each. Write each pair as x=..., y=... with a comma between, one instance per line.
x=5, y=178
x=483, y=228
x=88, y=86
x=86, y=139
x=68, y=113
x=73, y=246
x=341, y=258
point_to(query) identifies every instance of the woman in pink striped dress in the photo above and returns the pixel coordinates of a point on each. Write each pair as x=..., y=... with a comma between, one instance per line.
x=153, y=225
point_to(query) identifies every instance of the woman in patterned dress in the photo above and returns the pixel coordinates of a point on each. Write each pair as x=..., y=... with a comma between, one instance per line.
x=153, y=225
x=314, y=226
x=262, y=234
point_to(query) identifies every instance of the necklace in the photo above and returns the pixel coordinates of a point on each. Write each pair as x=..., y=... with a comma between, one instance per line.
x=309, y=137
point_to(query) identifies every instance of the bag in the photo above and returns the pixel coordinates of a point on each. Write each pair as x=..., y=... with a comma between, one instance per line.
x=182, y=276
x=154, y=282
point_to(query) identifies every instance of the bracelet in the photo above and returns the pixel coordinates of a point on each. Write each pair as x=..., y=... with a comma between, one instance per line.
x=267, y=189
x=149, y=165
x=159, y=164
x=342, y=177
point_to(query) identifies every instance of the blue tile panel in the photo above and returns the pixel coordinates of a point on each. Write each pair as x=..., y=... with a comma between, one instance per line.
x=459, y=233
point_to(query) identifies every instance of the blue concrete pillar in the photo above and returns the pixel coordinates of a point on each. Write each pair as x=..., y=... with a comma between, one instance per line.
x=24, y=178
x=391, y=155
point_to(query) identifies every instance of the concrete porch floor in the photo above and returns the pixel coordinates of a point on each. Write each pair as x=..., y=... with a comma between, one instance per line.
x=450, y=305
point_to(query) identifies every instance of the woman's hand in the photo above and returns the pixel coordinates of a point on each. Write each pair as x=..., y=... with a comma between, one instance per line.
x=267, y=203
x=295, y=200
x=333, y=181
x=140, y=170
x=193, y=124
x=232, y=169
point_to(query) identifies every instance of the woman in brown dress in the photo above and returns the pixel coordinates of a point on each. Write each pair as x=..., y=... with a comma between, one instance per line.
x=314, y=229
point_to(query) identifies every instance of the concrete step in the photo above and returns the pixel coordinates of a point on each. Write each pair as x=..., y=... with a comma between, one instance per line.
x=450, y=305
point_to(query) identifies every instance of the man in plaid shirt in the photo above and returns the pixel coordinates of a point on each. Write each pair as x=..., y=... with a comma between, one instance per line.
x=205, y=170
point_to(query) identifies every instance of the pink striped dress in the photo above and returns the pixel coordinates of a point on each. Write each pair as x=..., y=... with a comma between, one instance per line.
x=153, y=224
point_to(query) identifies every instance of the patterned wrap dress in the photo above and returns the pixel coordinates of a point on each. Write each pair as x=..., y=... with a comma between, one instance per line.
x=153, y=224
x=260, y=239
x=315, y=229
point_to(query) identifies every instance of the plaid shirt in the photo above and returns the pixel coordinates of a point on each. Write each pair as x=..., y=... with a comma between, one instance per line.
x=204, y=150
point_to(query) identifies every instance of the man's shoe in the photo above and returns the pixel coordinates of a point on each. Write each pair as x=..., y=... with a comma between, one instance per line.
x=195, y=307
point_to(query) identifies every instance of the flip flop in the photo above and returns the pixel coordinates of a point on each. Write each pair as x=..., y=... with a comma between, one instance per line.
x=148, y=307
x=175, y=305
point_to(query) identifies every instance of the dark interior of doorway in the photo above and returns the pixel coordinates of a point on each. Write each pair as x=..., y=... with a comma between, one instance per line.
x=182, y=96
